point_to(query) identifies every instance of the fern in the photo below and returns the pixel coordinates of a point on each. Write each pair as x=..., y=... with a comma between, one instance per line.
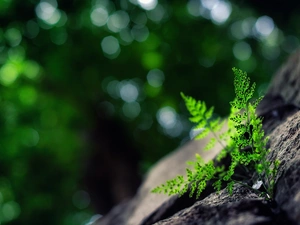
x=244, y=131
x=204, y=120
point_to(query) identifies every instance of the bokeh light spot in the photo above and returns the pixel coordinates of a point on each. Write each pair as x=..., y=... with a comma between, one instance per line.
x=55, y=18
x=118, y=21
x=236, y=30
x=10, y=210
x=152, y=60
x=193, y=7
x=31, y=69
x=13, y=36
x=152, y=42
x=264, y=26
x=155, y=77
x=113, y=89
x=128, y=91
x=209, y=4
x=156, y=14
x=247, y=26
x=140, y=33
x=242, y=50
x=166, y=117
x=131, y=109
x=126, y=36
x=221, y=12
x=8, y=74
x=139, y=18
x=4, y=5
x=16, y=56
x=152, y=91
x=32, y=29
x=110, y=46
x=62, y=20
x=48, y=12
x=148, y=4
x=30, y=137
x=99, y=16
x=27, y=95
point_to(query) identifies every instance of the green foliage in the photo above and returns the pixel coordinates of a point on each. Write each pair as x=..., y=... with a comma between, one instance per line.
x=204, y=120
x=48, y=92
x=245, y=146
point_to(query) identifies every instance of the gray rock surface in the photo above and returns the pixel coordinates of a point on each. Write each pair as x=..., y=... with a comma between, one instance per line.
x=144, y=203
x=243, y=207
x=280, y=109
x=285, y=142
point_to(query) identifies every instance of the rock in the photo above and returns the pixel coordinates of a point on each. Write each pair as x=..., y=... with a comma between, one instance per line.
x=281, y=121
x=288, y=192
x=285, y=142
x=145, y=202
x=242, y=207
x=245, y=206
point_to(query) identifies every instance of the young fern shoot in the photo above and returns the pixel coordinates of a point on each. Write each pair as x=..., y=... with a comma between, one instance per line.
x=244, y=131
x=201, y=172
x=203, y=118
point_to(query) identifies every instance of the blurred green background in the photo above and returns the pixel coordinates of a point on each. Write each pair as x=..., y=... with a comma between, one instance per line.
x=89, y=91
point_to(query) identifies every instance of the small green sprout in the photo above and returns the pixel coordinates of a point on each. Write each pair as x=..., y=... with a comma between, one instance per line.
x=245, y=146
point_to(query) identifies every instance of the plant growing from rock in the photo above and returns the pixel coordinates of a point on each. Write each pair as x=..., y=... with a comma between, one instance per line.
x=243, y=145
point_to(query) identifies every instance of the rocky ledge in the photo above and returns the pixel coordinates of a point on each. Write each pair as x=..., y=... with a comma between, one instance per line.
x=280, y=109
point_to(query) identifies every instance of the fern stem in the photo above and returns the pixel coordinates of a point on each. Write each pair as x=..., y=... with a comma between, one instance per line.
x=217, y=138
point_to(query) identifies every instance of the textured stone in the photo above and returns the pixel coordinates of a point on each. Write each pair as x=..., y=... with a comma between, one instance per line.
x=280, y=109
x=145, y=202
x=242, y=207
x=285, y=142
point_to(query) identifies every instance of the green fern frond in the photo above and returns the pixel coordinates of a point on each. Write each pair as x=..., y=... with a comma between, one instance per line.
x=217, y=185
x=172, y=187
x=244, y=130
x=223, y=153
x=199, y=161
x=201, y=116
x=242, y=88
x=216, y=124
x=197, y=109
x=202, y=134
x=230, y=187
x=210, y=144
